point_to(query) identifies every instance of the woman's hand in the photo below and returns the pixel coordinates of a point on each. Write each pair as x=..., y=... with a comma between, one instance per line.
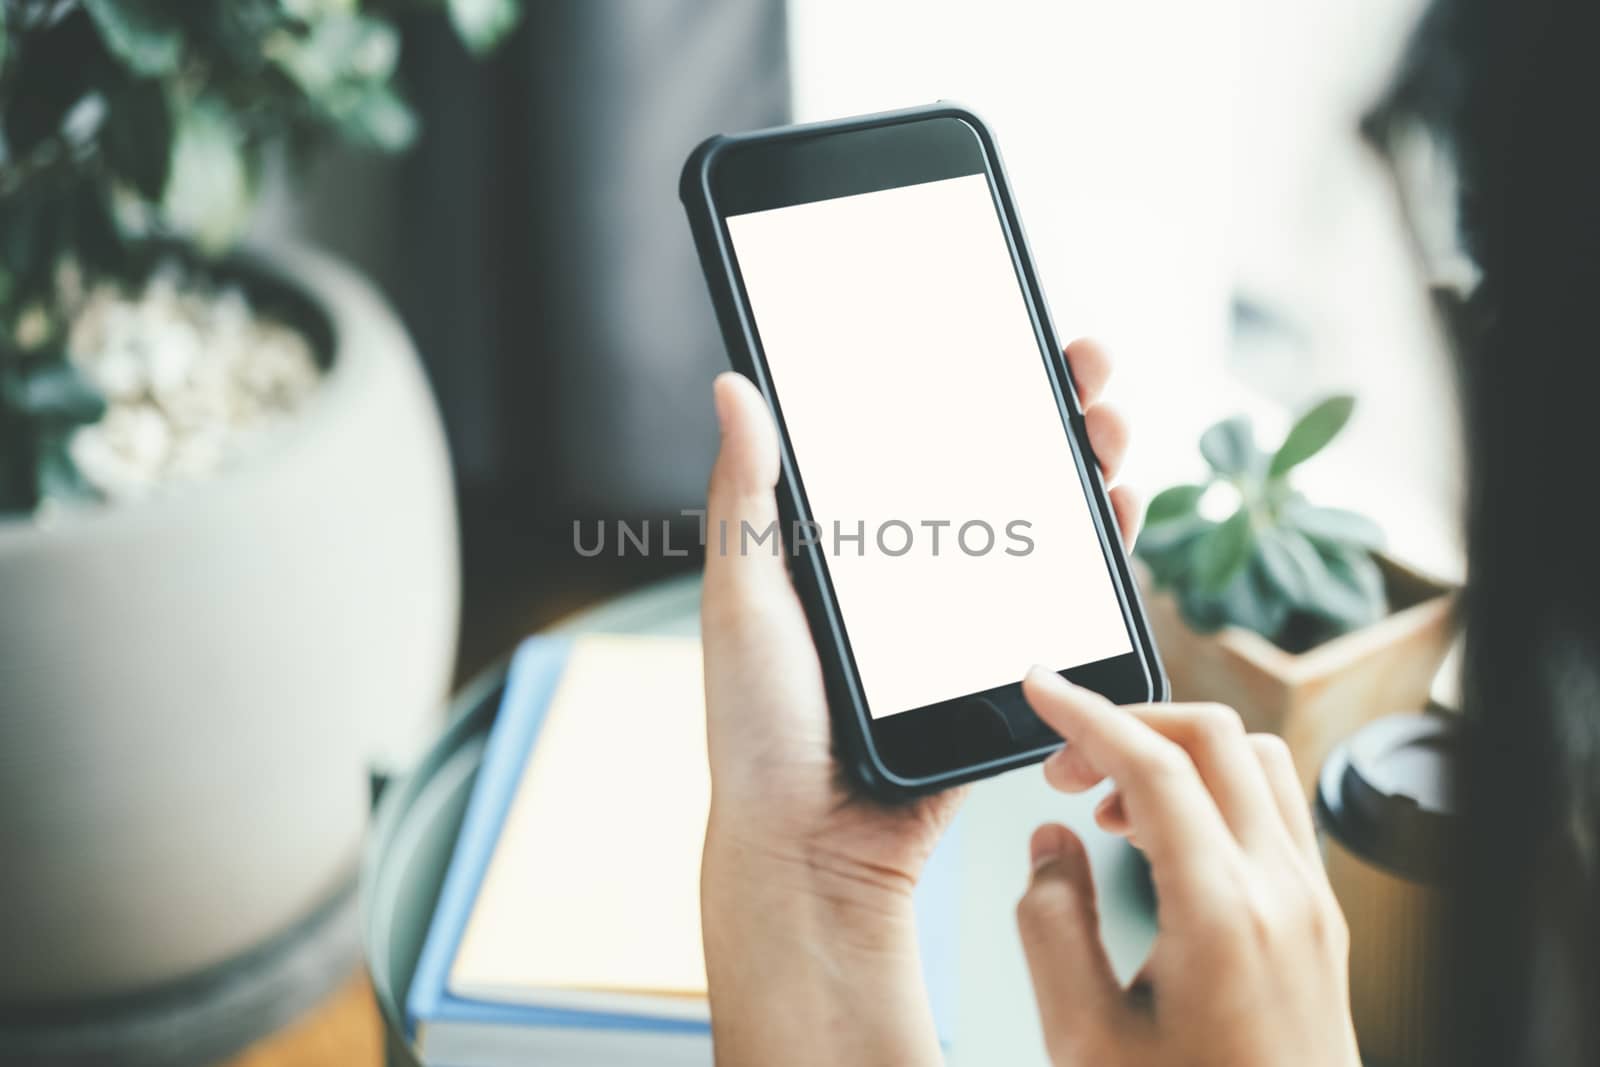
x=1249, y=968
x=806, y=885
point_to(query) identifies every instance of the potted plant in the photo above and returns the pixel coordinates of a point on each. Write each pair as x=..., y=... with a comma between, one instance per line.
x=227, y=539
x=1283, y=609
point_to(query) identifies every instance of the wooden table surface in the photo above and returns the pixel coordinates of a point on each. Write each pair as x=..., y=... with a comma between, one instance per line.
x=342, y=1031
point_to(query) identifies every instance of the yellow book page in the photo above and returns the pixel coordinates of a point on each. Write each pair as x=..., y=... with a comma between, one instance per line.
x=595, y=882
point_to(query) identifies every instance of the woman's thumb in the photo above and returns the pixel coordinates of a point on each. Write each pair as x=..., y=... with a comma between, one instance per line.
x=1080, y=1001
x=744, y=545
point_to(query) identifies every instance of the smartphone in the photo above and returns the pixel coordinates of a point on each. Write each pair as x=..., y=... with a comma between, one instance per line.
x=944, y=517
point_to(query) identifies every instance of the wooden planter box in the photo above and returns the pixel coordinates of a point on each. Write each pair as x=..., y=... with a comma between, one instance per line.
x=1316, y=698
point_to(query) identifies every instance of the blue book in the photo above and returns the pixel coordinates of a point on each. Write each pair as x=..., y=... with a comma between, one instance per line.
x=567, y=928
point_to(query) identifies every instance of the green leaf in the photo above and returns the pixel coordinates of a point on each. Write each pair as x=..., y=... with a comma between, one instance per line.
x=1167, y=548
x=1247, y=601
x=211, y=187
x=1290, y=563
x=1334, y=526
x=1178, y=502
x=1203, y=611
x=1312, y=433
x=56, y=476
x=143, y=35
x=1251, y=601
x=308, y=10
x=62, y=69
x=481, y=24
x=379, y=119
x=1222, y=552
x=138, y=140
x=241, y=29
x=1352, y=594
x=1230, y=447
x=84, y=120
x=52, y=391
x=94, y=238
x=31, y=225
x=339, y=52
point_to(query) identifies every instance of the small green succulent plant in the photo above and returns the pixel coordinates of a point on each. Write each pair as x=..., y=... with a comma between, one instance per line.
x=1266, y=559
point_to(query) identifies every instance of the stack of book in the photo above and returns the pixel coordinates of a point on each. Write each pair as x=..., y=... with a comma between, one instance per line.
x=568, y=926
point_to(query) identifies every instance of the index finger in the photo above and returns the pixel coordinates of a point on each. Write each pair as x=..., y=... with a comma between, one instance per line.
x=1176, y=820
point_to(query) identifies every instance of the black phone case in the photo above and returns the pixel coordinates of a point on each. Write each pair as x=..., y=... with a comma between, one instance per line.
x=851, y=723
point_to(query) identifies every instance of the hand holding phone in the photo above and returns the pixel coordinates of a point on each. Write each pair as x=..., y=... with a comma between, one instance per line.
x=799, y=865
x=936, y=491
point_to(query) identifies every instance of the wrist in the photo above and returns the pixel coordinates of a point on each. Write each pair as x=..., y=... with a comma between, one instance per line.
x=749, y=871
x=805, y=950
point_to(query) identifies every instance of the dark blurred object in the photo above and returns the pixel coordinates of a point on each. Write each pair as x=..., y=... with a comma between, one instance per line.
x=1388, y=809
x=520, y=575
x=1507, y=93
x=537, y=251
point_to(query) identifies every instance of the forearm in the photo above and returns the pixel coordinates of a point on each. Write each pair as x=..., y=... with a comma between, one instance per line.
x=807, y=965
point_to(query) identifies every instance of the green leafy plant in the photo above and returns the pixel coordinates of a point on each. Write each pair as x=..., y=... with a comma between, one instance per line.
x=124, y=120
x=1272, y=562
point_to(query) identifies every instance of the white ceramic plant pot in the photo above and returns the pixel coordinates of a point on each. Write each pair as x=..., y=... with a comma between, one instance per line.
x=193, y=687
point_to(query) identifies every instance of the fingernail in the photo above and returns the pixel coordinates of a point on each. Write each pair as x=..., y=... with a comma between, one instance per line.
x=1055, y=759
x=1046, y=677
x=719, y=405
x=1044, y=851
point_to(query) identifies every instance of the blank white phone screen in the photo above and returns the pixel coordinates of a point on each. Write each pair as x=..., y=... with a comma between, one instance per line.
x=925, y=430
